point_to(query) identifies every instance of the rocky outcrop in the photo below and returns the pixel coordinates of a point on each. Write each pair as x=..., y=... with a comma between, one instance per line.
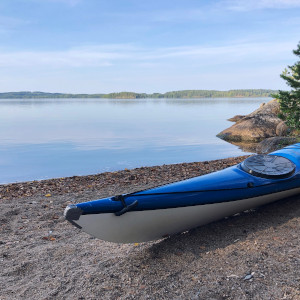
x=255, y=127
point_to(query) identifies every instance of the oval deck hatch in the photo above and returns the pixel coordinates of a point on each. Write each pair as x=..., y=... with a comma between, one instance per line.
x=268, y=166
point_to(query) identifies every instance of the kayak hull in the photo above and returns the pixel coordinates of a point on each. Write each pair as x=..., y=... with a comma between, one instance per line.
x=142, y=226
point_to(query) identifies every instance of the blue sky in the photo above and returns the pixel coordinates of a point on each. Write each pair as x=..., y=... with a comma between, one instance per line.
x=95, y=46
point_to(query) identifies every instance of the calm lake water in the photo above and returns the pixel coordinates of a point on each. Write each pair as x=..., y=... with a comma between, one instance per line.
x=50, y=138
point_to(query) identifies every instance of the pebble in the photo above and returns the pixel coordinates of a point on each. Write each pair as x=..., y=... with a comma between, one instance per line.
x=249, y=276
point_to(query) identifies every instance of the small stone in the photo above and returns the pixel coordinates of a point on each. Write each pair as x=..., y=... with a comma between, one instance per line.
x=249, y=276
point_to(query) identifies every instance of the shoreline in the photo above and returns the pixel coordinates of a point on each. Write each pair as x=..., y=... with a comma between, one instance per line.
x=147, y=176
x=252, y=255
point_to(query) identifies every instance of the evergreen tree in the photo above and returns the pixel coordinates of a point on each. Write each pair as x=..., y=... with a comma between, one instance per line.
x=290, y=100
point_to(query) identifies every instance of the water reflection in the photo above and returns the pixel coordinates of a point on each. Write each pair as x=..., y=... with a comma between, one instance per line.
x=246, y=147
x=169, y=101
x=63, y=137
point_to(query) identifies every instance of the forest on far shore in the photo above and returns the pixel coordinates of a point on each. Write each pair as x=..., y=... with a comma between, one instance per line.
x=185, y=94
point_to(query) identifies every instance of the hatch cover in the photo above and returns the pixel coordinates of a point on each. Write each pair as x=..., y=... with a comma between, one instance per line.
x=268, y=166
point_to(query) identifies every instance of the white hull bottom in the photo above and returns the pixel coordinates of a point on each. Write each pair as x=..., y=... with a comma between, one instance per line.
x=142, y=226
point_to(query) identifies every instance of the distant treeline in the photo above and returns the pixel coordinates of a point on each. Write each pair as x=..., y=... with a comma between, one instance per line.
x=130, y=95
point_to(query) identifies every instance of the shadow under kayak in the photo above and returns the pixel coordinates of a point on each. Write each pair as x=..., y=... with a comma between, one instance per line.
x=158, y=212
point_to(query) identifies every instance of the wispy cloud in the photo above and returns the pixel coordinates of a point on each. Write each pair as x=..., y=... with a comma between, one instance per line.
x=176, y=15
x=246, y=5
x=66, y=2
x=57, y=59
x=108, y=55
x=8, y=24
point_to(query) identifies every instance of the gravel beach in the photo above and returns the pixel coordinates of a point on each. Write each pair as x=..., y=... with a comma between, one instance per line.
x=252, y=255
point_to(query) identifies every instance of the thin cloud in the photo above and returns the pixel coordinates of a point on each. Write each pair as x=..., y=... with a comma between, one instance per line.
x=67, y=2
x=177, y=16
x=108, y=55
x=247, y=5
x=8, y=24
x=56, y=59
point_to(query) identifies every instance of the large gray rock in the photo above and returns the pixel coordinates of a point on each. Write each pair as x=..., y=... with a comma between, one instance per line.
x=255, y=127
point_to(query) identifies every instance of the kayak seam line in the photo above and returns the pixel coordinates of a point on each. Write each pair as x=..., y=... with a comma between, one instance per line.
x=202, y=191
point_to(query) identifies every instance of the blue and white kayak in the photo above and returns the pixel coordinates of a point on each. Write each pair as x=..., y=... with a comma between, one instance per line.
x=159, y=212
